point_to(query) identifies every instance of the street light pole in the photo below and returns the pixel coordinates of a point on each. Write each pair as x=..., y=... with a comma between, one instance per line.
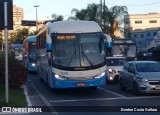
x=101, y=13
x=36, y=17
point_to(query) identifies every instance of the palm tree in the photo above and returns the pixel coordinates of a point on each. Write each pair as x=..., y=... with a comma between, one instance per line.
x=91, y=13
x=78, y=15
x=115, y=16
x=111, y=18
x=57, y=17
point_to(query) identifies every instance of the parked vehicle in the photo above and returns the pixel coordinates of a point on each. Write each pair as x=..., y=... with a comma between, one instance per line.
x=114, y=65
x=144, y=55
x=141, y=77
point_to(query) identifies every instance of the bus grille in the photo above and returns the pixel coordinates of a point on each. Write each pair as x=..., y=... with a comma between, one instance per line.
x=79, y=78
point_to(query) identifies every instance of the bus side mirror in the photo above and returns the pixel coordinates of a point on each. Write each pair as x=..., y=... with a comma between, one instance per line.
x=49, y=46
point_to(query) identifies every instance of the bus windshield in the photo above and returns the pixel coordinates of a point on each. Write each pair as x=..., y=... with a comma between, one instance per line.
x=78, y=50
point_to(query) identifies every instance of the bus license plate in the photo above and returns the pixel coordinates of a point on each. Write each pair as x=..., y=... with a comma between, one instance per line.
x=81, y=84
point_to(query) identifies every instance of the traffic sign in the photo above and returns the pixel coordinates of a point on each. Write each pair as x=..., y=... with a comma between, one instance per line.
x=9, y=14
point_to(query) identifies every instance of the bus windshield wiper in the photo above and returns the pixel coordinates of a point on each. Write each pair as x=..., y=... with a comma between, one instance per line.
x=84, y=55
x=73, y=55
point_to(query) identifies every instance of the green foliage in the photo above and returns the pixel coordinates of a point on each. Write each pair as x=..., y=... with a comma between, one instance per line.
x=57, y=17
x=19, y=35
x=16, y=96
x=17, y=72
x=104, y=16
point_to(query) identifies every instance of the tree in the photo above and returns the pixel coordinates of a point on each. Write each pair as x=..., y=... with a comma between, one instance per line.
x=1, y=43
x=19, y=35
x=90, y=13
x=109, y=19
x=57, y=17
x=115, y=17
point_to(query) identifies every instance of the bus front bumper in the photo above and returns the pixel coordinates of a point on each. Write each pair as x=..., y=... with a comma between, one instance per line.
x=79, y=83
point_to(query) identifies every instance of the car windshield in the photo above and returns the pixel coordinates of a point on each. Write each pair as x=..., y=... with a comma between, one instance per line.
x=116, y=62
x=148, y=67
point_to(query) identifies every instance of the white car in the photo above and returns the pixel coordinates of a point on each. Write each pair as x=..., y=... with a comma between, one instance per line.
x=114, y=65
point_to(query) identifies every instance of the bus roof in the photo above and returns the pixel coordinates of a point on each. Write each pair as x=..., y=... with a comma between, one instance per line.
x=17, y=46
x=73, y=26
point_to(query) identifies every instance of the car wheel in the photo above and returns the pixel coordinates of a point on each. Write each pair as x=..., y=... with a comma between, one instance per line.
x=121, y=85
x=135, y=89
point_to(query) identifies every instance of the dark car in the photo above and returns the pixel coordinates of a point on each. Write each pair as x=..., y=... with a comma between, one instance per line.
x=144, y=55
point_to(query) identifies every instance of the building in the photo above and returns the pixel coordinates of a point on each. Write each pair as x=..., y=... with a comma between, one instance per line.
x=143, y=28
x=18, y=15
x=145, y=38
x=142, y=21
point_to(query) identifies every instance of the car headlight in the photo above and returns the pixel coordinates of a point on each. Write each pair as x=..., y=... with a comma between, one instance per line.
x=142, y=79
x=59, y=77
x=111, y=71
x=100, y=75
x=33, y=64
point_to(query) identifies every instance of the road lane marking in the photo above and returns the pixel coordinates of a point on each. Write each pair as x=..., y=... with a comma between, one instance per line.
x=44, y=100
x=100, y=99
x=97, y=99
x=112, y=92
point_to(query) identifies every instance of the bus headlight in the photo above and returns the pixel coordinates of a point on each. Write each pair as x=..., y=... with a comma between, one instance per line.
x=33, y=64
x=59, y=77
x=100, y=75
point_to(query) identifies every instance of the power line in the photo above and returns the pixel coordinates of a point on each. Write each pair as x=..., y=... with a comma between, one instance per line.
x=137, y=5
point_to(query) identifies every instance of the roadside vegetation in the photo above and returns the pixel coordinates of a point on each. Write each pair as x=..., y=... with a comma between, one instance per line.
x=17, y=76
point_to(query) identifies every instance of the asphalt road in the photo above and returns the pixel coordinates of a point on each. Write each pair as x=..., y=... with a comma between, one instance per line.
x=107, y=99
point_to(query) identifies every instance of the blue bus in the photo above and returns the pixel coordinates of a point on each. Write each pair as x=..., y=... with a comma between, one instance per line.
x=72, y=54
x=30, y=53
x=18, y=51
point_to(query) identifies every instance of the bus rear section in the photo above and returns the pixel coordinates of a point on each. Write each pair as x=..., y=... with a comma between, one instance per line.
x=124, y=48
x=31, y=54
x=18, y=51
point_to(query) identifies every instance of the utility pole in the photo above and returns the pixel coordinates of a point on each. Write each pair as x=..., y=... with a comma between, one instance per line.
x=6, y=52
x=36, y=17
x=101, y=13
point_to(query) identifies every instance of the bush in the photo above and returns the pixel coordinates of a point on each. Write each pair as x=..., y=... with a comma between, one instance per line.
x=17, y=73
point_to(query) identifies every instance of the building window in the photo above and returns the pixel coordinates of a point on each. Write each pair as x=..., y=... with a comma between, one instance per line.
x=155, y=33
x=148, y=34
x=135, y=36
x=142, y=36
x=138, y=22
x=127, y=22
x=138, y=29
x=152, y=21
